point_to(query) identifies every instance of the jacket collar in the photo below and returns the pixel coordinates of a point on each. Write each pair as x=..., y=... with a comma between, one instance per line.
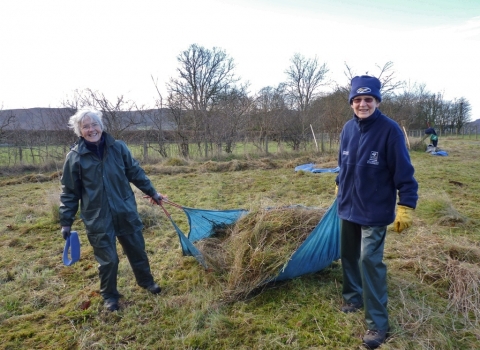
x=365, y=123
x=82, y=143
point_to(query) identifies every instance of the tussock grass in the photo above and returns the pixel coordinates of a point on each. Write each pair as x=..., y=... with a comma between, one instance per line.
x=238, y=165
x=433, y=267
x=43, y=167
x=452, y=265
x=418, y=146
x=175, y=162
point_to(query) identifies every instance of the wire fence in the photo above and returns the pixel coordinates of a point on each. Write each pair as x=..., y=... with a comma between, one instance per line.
x=148, y=151
x=470, y=132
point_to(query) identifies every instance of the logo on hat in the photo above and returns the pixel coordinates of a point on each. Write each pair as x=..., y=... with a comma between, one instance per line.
x=363, y=90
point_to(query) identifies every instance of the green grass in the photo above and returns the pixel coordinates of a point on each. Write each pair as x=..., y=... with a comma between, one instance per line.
x=432, y=267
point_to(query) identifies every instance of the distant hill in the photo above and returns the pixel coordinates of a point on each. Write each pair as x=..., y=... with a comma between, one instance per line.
x=36, y=118
x=57, y=118
x=474, y=123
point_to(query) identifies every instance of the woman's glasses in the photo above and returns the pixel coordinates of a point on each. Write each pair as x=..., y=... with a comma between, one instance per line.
x=88, y=126
x=357, y=100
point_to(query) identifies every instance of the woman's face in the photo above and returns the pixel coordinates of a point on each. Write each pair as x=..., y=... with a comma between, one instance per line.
x=364, y=106
x=91, y=130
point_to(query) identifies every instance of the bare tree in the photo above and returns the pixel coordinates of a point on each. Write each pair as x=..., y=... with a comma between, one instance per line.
x=405, y=108
x=389, y=83
x=267, y=115
x=158, y=120
x=304, y=78
x=332, y=111
x=430, y=109
x=183, y=120
x=230, y=117
x=453, y=115
x=7, y=120
x=119, y=115
x=385, y=74
x=9, y=135
x=203, y=75
x=461, y=113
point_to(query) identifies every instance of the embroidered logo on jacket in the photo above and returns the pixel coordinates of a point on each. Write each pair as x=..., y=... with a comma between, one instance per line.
x=363, y=90
x=345, y=153
x=373, y=158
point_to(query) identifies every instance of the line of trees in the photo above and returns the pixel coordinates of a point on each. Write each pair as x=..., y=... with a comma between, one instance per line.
x=208, y=107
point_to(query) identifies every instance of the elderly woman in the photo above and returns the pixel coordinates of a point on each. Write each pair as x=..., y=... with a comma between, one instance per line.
x=375, y=170
x=97, y=173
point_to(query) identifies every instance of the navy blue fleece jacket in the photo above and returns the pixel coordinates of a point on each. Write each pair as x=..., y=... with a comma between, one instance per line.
x=374, y=166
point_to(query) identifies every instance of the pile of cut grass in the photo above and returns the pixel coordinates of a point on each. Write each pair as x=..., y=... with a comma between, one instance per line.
x=255, y=249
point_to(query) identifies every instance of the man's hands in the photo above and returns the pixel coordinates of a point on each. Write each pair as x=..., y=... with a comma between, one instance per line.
x=403, y=219
x=66, y=232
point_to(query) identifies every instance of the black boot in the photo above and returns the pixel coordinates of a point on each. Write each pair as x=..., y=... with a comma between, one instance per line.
x=374, y=338
x=154, y=288
x=111, y=304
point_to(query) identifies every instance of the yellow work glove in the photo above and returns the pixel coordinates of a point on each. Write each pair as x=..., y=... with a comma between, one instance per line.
x=403, y=219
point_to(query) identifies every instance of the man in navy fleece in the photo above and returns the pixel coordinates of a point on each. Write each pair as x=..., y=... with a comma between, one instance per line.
x=375, y=167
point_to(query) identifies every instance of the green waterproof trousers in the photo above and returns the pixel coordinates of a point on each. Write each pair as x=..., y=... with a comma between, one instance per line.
x=106, y=255
x=364, y=273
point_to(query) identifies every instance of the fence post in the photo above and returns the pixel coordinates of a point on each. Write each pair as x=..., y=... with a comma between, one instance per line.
x=145, y=151
x=314, y=138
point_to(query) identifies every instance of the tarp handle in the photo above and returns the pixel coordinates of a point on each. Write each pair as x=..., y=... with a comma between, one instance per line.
x=172, y=203
x=166, y=200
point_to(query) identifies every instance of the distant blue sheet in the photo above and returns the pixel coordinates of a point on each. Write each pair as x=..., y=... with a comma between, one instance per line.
x=439, y=153
x=311, y=168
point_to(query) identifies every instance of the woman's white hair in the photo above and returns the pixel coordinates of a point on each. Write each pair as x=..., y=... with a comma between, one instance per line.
x=75, y=121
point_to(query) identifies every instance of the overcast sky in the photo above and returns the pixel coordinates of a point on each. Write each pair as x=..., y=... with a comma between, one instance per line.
x=49, y=48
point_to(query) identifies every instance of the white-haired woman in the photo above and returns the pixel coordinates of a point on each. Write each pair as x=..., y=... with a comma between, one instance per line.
x=97, y=174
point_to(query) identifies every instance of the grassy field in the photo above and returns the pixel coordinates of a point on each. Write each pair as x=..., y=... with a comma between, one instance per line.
x=433, y=268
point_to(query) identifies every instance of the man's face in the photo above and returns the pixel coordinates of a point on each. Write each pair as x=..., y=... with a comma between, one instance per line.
x=364, y=106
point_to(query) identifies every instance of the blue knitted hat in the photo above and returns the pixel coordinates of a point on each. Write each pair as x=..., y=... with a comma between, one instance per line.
x=365, y=85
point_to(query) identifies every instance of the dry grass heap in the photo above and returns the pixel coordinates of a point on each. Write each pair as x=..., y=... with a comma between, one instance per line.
x=255, y=249
x=451, y=265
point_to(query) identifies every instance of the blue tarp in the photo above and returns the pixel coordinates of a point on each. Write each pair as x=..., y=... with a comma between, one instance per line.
x=439, y=153
x=203, y=224
x=318, y=251
x=311, y=168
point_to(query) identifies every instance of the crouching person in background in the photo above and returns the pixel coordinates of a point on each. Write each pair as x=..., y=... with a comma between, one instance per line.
x=433, y=138
x=97, y=174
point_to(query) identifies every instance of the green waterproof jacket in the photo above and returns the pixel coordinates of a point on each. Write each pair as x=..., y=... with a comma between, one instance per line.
x=102, y=186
